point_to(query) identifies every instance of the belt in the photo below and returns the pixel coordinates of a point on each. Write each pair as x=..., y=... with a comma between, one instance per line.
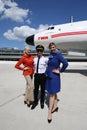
x=39, y=73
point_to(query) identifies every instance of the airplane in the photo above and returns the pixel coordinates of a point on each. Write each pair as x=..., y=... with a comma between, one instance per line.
x=71, y=37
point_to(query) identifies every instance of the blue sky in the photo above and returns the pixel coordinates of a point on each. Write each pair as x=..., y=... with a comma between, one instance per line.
x=21, y=18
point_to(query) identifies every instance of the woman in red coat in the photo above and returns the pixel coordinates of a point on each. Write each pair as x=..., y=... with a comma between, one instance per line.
x=26, y=64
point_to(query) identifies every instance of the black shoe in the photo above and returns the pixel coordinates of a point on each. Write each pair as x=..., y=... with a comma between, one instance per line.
x=49, y=120
x=55, y=110
x=42, y=105
x=28, y=105
x=25, y=102
x=33, y=106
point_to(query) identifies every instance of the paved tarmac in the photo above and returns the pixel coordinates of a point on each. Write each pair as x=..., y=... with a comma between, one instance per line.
x=72, y=114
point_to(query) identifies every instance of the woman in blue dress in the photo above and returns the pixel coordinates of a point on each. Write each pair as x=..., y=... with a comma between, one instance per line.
x=53, y=83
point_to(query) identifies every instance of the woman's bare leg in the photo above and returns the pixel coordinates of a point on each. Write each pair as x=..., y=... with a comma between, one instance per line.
x=55, y=105
x=51, y=104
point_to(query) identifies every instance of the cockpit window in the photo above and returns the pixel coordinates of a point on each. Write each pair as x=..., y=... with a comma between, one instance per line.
x=50, y=28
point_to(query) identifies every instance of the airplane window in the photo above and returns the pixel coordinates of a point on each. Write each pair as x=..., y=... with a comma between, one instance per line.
x=59, y=29
x=49, y=28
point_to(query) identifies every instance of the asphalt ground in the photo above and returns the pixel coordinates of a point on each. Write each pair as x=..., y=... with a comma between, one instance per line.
x=72, y=113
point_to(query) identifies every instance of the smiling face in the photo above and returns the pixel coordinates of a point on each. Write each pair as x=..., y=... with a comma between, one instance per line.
x=27, y=51
x=52, y=47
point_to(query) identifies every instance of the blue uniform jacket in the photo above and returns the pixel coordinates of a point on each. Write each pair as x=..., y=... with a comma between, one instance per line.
x=55, y=59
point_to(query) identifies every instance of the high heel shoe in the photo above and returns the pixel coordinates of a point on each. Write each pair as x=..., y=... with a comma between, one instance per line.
x=49, y=120
x=25, y=102
x=55, y=110
x=28, y=105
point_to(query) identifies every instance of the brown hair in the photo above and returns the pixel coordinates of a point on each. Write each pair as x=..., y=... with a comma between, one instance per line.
x=51, y=44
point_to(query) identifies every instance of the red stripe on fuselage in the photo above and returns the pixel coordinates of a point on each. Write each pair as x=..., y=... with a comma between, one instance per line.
x=68, y=34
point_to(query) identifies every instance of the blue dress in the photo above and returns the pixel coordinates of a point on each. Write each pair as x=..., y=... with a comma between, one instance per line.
x=53, y=83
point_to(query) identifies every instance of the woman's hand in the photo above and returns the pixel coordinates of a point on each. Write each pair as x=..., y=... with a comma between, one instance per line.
x=26, y=68
x=56, y=71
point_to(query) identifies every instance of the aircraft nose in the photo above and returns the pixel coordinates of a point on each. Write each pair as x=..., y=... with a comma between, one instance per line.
x=30, y=40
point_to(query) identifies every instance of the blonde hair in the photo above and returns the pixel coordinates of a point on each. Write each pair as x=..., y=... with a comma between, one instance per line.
x=26, y=48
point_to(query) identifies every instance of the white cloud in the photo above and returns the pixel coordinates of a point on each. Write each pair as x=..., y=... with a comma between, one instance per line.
x=1, y=6
x=20, y=33
x=28, y=21
x=42, y=27
x=9, y=3
x=11, y=10
x=16, y=14
x=10, y=35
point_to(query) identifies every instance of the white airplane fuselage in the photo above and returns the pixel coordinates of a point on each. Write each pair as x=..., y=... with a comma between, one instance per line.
x=69, y=36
